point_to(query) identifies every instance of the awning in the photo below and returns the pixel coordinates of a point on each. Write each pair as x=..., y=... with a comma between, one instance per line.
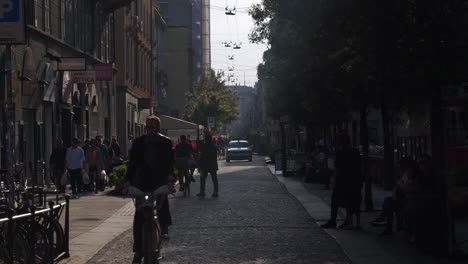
x=67, y=88
x=169, y=122
x=111, y=5
x=49, y=77
x=174, y=127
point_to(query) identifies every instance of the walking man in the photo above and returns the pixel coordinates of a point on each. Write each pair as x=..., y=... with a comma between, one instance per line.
x=150, y=167
x=208, y=163
x=58, y=163
x=75, y=158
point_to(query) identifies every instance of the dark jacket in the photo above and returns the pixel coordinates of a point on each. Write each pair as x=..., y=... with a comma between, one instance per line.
x=208, y=157
x=348, y=181
x=57, y=159
x=147, y=173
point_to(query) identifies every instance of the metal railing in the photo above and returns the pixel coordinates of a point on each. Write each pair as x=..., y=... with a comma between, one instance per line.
x=35, y=236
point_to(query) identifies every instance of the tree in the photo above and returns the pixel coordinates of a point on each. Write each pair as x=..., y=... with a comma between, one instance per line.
x=210, y=97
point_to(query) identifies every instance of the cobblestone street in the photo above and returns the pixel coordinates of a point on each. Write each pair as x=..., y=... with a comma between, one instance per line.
x=254, y=220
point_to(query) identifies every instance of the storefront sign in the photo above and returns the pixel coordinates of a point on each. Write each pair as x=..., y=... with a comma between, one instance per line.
x=103, y=72
x=72, y=64
x=12, y=26
x=83, y=76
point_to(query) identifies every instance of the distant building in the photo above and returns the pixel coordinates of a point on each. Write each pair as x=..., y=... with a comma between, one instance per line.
x=175, y=56
x=241, y=127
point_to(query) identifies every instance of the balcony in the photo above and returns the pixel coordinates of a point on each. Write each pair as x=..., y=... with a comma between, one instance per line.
x=111, y=5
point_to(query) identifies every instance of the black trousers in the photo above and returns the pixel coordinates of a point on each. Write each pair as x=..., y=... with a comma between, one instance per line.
x=164, y=218
x=76, y=180
x=390, y=209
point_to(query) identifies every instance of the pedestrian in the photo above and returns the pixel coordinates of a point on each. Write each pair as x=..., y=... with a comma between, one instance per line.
x=150, y=166
x=110, y=156
x=74, y=160
x=86, y=145
x=116, y=147
x=183, y=160
x=347, y=186
x=105, y=160
x=94, y=165
x=194, y=156
x=394, y=205
x=129, y=144
x=58, y=164
x=208, y=163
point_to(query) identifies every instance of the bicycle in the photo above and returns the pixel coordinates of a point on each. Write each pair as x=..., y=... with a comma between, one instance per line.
x=186, y=179
x=148, y=203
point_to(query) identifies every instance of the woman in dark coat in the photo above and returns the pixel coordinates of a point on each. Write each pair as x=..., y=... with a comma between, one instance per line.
x=208, y=163
x=348, y=184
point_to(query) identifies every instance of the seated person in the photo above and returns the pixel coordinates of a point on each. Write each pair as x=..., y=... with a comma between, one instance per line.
x=398, y=204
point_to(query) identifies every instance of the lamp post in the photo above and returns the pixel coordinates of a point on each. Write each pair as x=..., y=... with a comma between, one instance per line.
x=8, y=124
x=283, y=121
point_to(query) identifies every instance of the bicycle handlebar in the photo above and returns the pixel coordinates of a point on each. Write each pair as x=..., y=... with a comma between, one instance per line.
x=134, y=192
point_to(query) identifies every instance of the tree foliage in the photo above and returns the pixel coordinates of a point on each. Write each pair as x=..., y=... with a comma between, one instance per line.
x=210, y=97
x=332, y=56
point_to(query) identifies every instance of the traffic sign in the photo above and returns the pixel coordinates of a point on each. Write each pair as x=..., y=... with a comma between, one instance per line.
x=211, y=122
x=9, y=11
x=12, y=26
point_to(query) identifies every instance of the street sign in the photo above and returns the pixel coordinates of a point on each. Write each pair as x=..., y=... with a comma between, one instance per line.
x=103, y=71
x=72, y=64
x=83, y=77
x=211, y=122
x=12, y=26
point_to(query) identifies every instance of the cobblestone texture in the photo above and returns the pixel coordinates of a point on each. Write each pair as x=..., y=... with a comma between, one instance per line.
x=253, y=221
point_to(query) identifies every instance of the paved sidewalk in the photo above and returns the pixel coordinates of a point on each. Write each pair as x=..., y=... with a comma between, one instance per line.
x=362, y=247
x=95, y=220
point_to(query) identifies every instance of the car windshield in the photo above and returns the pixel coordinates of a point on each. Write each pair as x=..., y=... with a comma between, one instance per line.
x=238, y=144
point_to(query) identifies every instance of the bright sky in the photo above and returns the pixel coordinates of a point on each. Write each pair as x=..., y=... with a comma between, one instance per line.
x=235, y=29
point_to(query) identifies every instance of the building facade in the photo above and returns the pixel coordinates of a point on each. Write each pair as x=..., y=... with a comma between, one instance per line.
x=135, y=59
x=48, y=104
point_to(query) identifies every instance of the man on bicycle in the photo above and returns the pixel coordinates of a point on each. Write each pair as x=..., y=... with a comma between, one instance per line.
x=183, y=160
x=150, y=166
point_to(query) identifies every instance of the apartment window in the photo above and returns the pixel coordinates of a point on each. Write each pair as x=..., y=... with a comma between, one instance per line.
x=69, y=17
x=39, y=14
x=55, y=18
x=62, y=19
x=139, y=8
x=47, y=15
x=127, y=56
x=108, y=39
x=138, y=67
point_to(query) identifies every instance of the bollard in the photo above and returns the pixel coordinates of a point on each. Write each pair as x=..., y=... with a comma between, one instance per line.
x=50, y=233
x=32, y=209
x=67, y=226
x=11, y=235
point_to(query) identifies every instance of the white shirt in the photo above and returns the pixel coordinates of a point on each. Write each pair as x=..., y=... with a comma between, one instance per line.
x=75, y=158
